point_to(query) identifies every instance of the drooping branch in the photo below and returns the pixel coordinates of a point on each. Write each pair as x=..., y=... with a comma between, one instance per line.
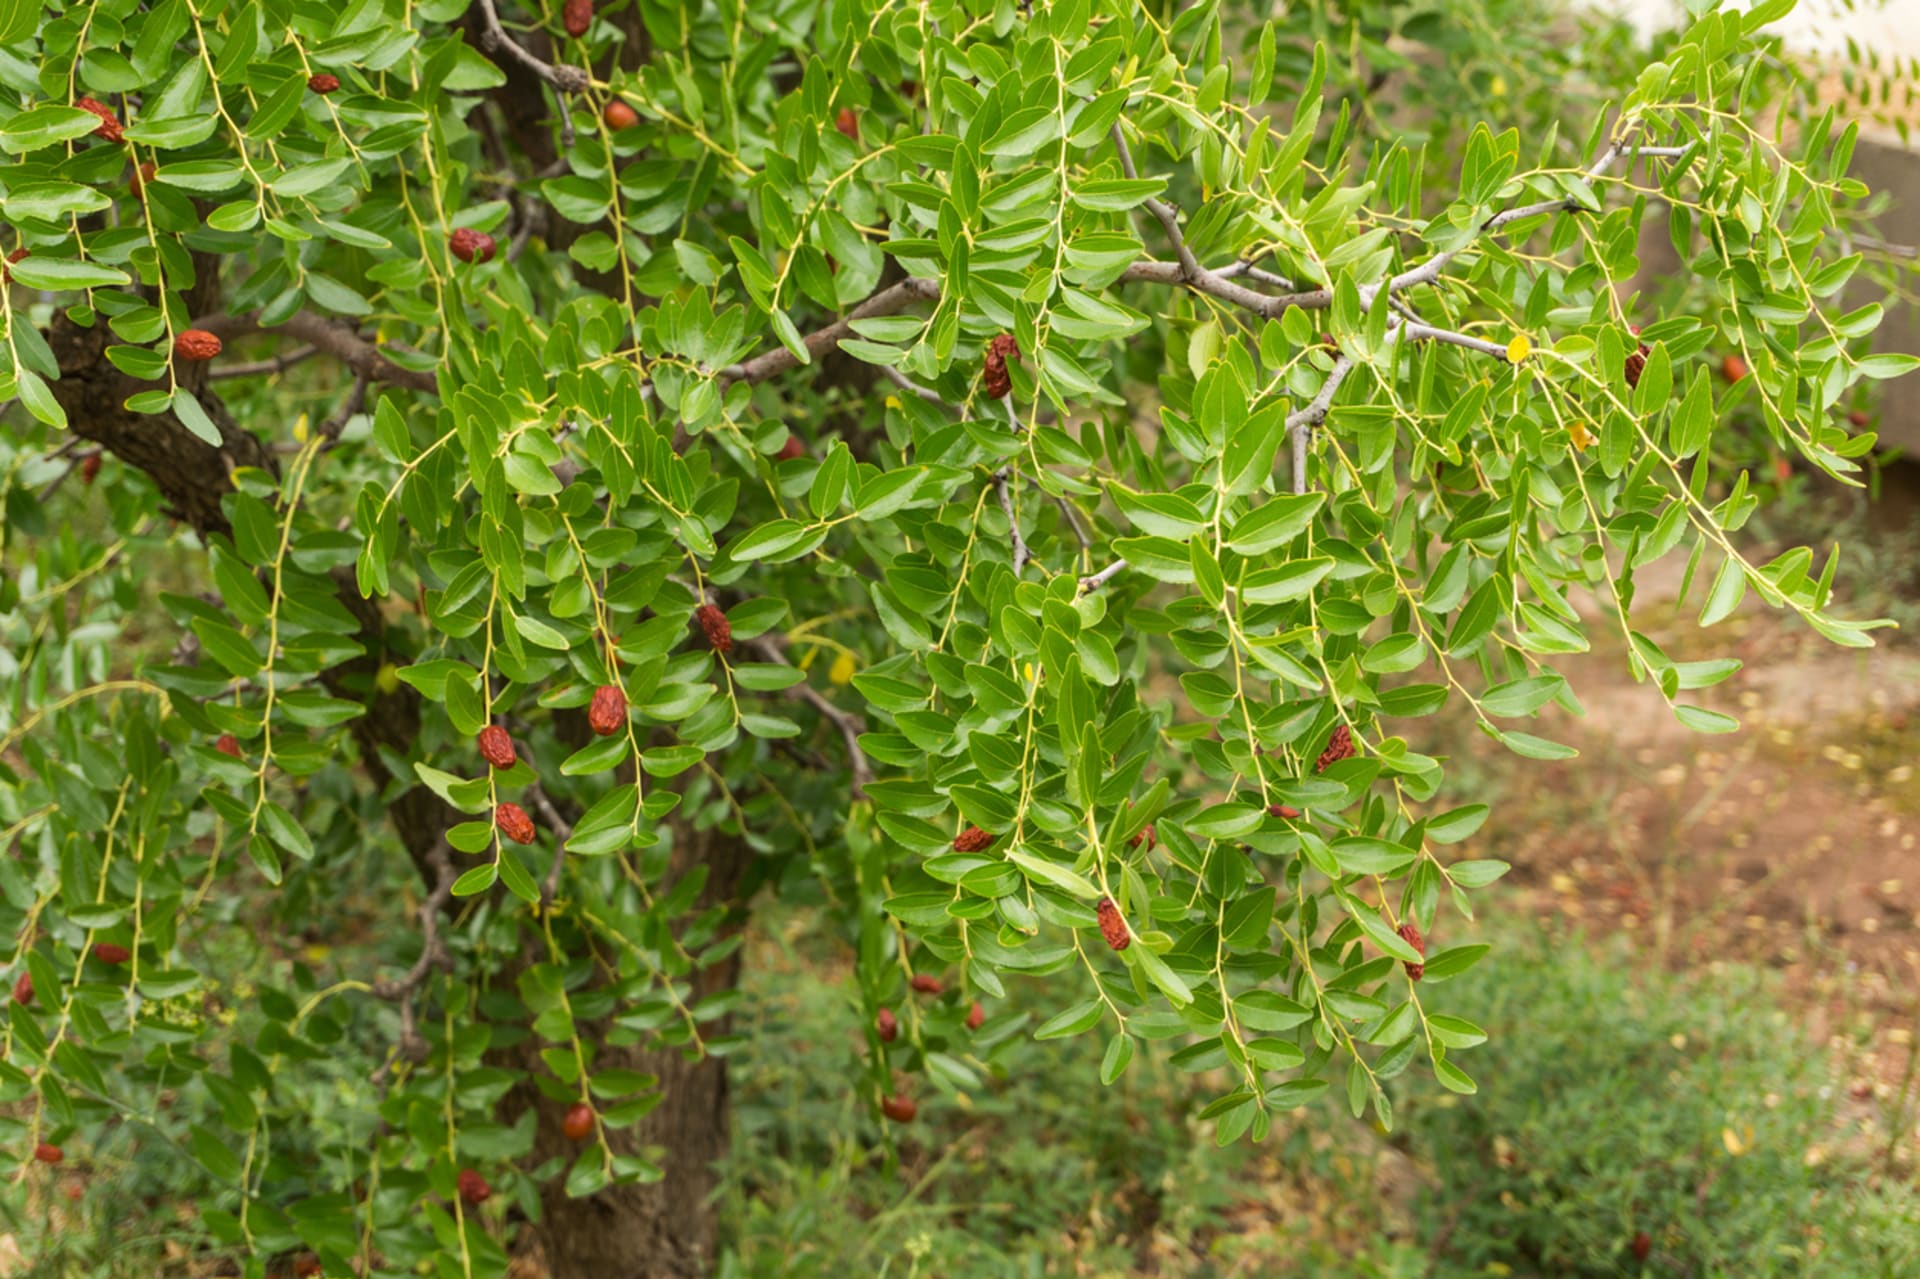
x=433, y=954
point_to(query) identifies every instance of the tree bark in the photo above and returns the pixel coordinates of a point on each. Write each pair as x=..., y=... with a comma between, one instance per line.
x=667, y=1230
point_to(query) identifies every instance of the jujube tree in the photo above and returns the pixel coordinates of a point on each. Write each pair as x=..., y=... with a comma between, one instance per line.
x=1007, y=475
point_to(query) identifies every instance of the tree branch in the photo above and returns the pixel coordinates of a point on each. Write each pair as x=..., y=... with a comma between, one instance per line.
x=278, y=364
x=894, y=297
x=338, y=340
x=1020, y=552
x=493, y=37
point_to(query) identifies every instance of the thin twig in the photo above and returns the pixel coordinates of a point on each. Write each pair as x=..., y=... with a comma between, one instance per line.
x=257, y=368
x=494, y=36
x=1100, y=579
x=355, y=401
x=906, y=383
x=1020, y=552
x=774, y=649
x=433, y=954
x=562, y=832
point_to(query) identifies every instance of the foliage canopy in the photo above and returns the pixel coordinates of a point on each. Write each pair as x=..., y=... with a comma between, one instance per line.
x=1102, y=425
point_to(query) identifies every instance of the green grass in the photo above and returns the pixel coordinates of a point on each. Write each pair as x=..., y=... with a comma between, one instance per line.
x=1608, y=1100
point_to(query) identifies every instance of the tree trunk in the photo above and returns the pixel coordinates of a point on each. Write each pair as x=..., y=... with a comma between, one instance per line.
x=667, y=1230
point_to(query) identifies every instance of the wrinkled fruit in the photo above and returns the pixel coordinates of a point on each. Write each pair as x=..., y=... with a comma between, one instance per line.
x=23, y=988
x=307, y=1267
x=1733, y=368
x=619, y=115
x=1282, y=810
x=972, y=840
x=792, y=449
x=48, y=1153
x=1410, y=933
x=899, y=1109
x=887, y=1026
x=1112, y=927
x=1339, y=747
x=975, y=1016
x=1642, y=1245
x=1637, y=360
x=470, y=245
x=577, y=16
x=108, y=953
x=14, y=256
x=714, y=624
x=474, y=1188
x=1859, y=417
x=926, y=983
x=90, y=467
x=607, y=713
x=997, y=380
x=141, y=176
x=323, y=82
x=513, y=822
x=847, y=122
x=1147, y=837
x=227, y=744
x=109, y=122
x=496, y=746
x=578, y=1124
x=195, y=346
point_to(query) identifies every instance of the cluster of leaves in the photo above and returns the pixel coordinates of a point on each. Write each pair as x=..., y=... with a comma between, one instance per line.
x=1293, y=448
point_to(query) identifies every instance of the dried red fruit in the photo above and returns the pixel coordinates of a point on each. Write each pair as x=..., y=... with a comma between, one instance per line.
x=90, y=466
x=1112, y=927
x=577, y=16
x=1859, y=417
x=227, y=744
x=14, y=256
x=1147, y=837
x=926, y=983
x=848, y=123
x=23, y=988
x=975, y=1016
x=306, y=1266
x=474, y=1188
x=1410, y=933
x=607, y=713
x=792, y=449
x=74, y=1191
x=323, y=82
x=141, y=176
x=1782, y=469
x=109, y=122
x=1733, y=368
x=997, y=380
x=48, y=1153
x=1642, y=1245
x=578, y=1123
x=195, y=346
x=496, y=746
x=108, y=953
x=972, y=840
x=1637, y=360
x=887, y=1026
x=899, y=1109
x=513, y=822
x=619, y=115
x=714, y=624
x=1282, y=810
x=1339, y=747
x=470, y=245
